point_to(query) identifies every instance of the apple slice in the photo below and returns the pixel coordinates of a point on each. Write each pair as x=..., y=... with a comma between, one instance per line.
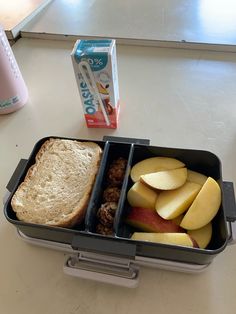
x=196, y=177
x=154, y=164
x=140, y=195
x=166, y=180
x=202, y=236
x=146, y=219
x=171, y=204
x=204, y=207
x=182, y=239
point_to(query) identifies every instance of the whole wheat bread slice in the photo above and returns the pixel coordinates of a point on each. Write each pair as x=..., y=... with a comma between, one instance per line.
x=57, y=187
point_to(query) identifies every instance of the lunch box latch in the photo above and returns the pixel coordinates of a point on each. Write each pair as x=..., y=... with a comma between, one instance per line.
x=103, y=268
x=229, y=201
x=127, y=140
x=104, y=245
x=230, y=209
x=14, y=180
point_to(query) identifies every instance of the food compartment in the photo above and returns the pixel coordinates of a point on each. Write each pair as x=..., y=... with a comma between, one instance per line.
x=200, y=161
x=107, y=200
x=34, y=230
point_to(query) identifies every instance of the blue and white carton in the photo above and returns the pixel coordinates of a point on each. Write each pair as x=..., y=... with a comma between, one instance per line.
x=95, y=67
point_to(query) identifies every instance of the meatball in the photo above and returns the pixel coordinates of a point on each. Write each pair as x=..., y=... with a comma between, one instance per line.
x=101, y=229
x=111, y=194
x=116, y=172
x=106, y=213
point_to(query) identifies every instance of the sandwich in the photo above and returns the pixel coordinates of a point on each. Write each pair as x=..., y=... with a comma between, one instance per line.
x=57, y=188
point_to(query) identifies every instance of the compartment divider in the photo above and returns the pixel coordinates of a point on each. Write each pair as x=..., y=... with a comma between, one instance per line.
x=96, y=189
x=121, y=207
x=112, y=152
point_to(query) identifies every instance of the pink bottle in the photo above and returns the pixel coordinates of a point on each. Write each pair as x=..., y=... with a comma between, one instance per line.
x=13, y=91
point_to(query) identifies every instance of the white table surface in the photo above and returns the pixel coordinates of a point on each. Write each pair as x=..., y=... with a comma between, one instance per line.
x=15, y=14
x=176, y=98
x=186, y=23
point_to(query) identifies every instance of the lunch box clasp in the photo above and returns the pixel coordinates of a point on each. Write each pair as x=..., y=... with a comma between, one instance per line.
x=230, y=209
x=103, y=268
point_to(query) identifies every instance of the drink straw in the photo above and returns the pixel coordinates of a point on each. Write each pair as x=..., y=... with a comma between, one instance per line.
x=88, y=77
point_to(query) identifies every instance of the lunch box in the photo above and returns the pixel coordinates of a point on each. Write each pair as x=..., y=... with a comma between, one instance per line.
x=117, y=259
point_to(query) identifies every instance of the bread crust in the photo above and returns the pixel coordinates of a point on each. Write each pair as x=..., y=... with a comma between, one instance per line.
x=58, y=163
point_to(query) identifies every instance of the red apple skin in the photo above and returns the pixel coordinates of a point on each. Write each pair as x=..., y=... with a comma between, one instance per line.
x=195, y=244
x=148, y=220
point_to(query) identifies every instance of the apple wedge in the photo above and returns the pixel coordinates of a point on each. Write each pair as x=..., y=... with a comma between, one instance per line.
x=204, y=207
x=202, y=236
x=139, y=195
x=196, y=177
x=171, y=204
x=148, y=220
x=154, y=164
x=182, y=239
x=165, y=180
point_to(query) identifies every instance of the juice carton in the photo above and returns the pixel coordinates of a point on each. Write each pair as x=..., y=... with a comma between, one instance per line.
x=95, y=68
